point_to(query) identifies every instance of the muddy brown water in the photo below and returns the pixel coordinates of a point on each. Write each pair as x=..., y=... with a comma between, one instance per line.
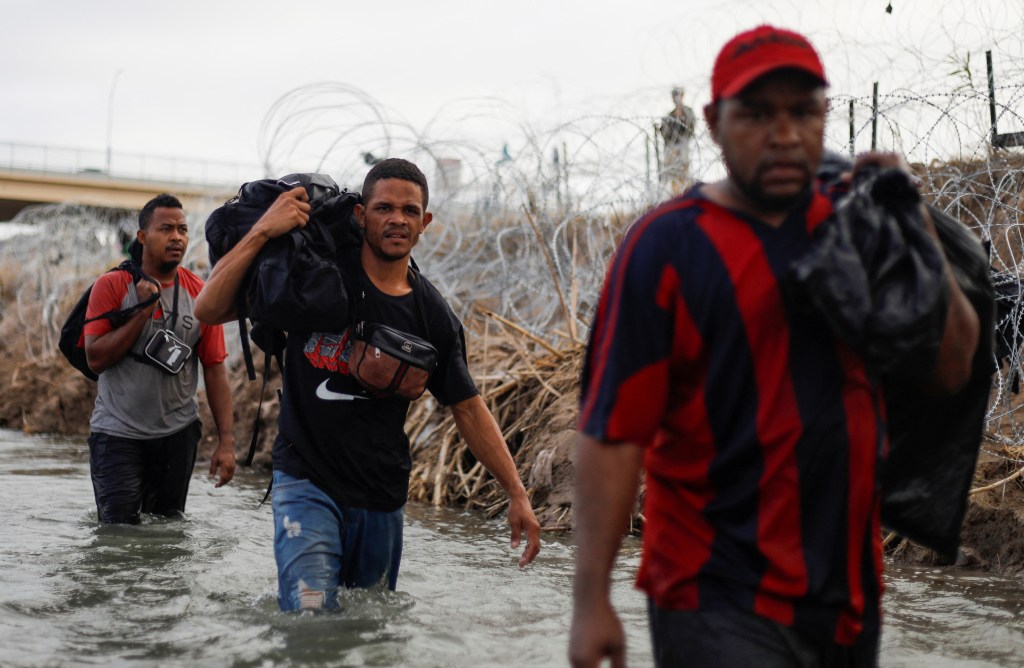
x=201, y=591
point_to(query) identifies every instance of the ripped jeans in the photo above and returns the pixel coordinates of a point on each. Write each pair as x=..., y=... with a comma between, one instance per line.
x=320, y=547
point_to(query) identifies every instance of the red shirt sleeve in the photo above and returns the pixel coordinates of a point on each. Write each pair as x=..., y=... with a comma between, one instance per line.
x=211, y=349
x=107, y=294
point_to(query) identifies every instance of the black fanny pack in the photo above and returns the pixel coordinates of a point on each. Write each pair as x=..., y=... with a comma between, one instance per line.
x=390, y=362
x=387, y=361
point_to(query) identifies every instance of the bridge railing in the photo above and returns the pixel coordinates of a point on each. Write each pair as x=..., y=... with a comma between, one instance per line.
x=41, y=158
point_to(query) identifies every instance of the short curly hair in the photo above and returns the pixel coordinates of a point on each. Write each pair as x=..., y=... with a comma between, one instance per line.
x=395, y=168
x=164, y=200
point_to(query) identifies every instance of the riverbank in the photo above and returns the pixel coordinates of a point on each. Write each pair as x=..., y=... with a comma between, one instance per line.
x=540, y=269
x=532, y=394
x=531, y=386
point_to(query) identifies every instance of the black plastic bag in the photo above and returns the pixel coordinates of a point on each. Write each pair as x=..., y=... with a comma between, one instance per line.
x=1009, y=327
x=934, y=441
x=883, y=294
x=877, y=276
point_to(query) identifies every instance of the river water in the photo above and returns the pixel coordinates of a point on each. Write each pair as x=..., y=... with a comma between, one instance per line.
x=201, y=591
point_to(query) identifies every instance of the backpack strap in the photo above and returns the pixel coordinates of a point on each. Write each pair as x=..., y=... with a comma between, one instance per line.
x=266, y=495
x=417, y=287
x=417, y=291
x=243, y=333
x=257, y=421
x=174, y=312
x=118, y=316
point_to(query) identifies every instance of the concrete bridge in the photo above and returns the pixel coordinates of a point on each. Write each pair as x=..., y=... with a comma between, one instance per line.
x=45, y=175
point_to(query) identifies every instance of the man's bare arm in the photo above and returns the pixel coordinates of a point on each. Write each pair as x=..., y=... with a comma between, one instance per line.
x=218, y=395
x=960, y=336
x=103, y=352
x=607, y=477
x=478, y=428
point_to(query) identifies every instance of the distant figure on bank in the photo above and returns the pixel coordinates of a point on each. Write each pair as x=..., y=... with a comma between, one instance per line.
x=145, y=426
x=761, y=433
x=341, y=458
x=677, y=129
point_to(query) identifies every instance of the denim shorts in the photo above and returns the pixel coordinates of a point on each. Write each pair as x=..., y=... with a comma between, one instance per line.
x=320, y=547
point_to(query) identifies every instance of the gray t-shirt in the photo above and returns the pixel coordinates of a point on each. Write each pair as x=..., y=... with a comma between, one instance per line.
x=138, y=400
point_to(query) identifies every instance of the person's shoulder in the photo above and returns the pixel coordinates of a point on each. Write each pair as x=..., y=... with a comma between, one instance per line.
x=190, y=281
x=113, y=279
x=661, y=231
x=679, y=210
x=437, y=307
x=429, y=291
x=109, y=289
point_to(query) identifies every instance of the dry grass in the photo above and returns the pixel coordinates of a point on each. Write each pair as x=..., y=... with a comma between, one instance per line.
x=525, y=281
x=530, y=386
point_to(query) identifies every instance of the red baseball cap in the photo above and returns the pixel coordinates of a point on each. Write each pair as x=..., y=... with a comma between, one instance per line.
x=757, y=52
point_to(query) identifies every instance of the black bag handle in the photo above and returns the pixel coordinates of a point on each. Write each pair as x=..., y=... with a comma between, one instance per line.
x=118, y=316
x=414, y=278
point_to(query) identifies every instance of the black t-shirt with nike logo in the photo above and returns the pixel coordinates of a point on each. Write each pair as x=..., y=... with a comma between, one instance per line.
x=332, y=432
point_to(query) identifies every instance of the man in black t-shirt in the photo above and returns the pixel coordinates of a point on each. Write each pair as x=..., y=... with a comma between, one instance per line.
x=341, y=458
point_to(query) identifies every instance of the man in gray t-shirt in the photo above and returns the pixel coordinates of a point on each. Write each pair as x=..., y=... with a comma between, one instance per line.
x=145, y=426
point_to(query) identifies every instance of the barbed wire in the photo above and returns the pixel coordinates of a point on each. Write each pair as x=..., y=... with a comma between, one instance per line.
x=521, y=229
x=526, y=216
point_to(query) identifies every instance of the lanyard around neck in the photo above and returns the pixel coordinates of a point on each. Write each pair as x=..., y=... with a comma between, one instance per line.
x=174, y=311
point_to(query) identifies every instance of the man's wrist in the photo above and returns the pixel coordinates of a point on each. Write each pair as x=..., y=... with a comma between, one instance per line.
x=519, y=495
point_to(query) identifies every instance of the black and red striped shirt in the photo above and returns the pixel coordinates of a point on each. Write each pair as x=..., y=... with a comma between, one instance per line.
x=763, y=431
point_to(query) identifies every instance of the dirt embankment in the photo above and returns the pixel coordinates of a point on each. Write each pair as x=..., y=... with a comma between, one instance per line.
x=992, y=537
x=531, y=389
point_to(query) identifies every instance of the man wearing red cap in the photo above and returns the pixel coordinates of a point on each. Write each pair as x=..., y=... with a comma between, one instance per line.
x=760, y=432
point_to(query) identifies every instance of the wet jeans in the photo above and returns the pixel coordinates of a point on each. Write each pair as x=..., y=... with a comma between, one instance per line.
x=130, y=476
x=320, y=547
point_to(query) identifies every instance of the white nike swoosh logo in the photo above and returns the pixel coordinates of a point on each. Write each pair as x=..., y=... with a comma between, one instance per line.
x=323, y=393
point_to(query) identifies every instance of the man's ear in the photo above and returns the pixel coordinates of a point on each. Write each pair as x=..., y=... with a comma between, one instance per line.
x=141, y=236
x=427, y=217
x=711, y=115
x=360, y=212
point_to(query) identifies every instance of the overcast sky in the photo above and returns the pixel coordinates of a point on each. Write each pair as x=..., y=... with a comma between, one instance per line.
x=195, y=78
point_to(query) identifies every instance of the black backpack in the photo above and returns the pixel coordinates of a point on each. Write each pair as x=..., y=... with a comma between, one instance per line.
x=295, y=282
x=227, y=224
x=72, y=334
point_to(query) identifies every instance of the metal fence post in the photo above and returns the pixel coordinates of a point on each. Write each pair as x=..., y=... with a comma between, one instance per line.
x=874, y=118
x=851, y=129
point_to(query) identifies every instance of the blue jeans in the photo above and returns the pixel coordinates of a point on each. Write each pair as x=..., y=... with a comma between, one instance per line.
x=320, y=547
